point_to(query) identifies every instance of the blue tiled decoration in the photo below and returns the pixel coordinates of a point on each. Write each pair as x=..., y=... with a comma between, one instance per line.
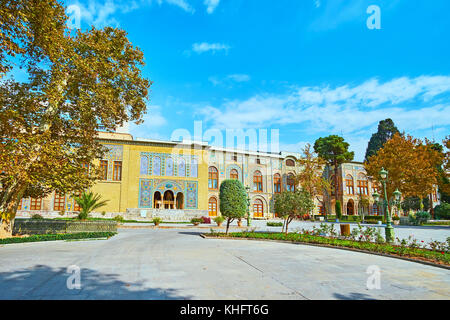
x=145, y=193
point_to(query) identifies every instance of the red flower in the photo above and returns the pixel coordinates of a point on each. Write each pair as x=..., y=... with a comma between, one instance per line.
x=442, y=252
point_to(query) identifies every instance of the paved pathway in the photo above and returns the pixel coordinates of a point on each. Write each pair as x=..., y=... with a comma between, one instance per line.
x=178, y=264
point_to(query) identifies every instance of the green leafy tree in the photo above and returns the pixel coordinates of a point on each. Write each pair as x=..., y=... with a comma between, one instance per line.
x=88, y=202
x=334, y=150
x=415, y=203
x=77, y=82
x=233, y=200
x=290, y=205
x=386, y=130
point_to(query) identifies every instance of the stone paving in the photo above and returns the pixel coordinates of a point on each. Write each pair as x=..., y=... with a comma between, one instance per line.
x=179, y=264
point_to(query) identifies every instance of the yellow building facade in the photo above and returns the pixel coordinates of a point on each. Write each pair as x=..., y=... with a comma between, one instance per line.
x=144, y=178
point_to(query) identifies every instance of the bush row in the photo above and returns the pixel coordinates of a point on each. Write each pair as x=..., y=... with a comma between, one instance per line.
x=386, y=248
x=59, y=236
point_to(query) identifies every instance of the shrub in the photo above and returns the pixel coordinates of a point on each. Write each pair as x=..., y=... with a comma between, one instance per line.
x=103, y=213
x=274, y=224
x=37, y=216
x=196, y=221
x=118, y=218
x=219, y=220
x=233, y=200
x=157, y=220
x=206, y=219
x=88, y=202
x=422, y=217
x=442, y=211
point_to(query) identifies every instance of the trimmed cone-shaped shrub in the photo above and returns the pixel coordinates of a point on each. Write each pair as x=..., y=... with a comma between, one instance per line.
x=233, y=200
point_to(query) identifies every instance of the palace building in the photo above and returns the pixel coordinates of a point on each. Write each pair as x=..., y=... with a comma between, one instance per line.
x=180, y=180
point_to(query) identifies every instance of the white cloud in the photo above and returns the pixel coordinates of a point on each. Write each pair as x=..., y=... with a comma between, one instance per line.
x=211, y=5
x=229, y=80
x=205, y=47
x=153, y=122
x=352, y=111
x=101, y=13
x=179, y=3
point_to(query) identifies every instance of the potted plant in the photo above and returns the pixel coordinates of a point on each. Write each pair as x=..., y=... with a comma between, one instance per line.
x=196, y=221
x=219, y=220
x=157, y=221
x=396, y=219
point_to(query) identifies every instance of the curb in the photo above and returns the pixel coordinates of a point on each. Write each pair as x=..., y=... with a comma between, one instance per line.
x=443, y=266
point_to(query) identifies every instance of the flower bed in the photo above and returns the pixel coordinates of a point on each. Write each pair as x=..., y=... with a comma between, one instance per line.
x=438, y=255
x=60, y=236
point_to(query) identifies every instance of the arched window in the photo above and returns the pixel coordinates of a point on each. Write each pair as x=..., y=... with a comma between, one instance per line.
x=168, y=200
x=213, y=178
x=277, y=183
x=363, y=185
x=157, y=166
x=257, y=182
x=290, y=182
x=194, y=167
x=144, y=165
x=290, y=163
x=349, y=187
x=157, y=201
x=258, y=209
x=180, y=201
x=234, y=174
x=169, y=167
x=212, y=207
x=181, y=167
x=350, y=208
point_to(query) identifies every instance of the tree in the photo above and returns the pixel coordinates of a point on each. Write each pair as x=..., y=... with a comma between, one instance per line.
x=311, y=177
x=30, y=30
x=415, y=203
x=48, y=124
x=411, y=166
x=386, y=130
x=88, y=202
x=444, y=170
x=233, y=200
x=289, y=205
x=334, y=150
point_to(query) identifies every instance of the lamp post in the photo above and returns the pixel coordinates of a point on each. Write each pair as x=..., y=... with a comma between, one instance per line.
x=249, y=220
x=389, y=230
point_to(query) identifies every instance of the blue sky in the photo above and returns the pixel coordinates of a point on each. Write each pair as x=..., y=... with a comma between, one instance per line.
x=308, y=68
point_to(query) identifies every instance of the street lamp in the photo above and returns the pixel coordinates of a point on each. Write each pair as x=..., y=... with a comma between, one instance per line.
x=389, y=230
x=249, y=220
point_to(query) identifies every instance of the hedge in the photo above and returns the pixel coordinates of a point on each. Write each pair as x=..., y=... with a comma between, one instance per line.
x=59, y=236
x=385, y=248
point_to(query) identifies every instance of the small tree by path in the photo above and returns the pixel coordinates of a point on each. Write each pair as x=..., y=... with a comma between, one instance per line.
x=233, y=200
x=88, y=202
x=289, y=205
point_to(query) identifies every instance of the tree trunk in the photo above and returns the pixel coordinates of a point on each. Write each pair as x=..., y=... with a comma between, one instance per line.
x=284, y=224
x=431, y=206
x=6, y=229
x=228, y=225
x=9, y=202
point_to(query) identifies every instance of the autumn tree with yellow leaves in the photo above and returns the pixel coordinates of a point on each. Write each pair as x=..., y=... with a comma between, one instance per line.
x=411, y=163
x=78, y=81
x=311, y=178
